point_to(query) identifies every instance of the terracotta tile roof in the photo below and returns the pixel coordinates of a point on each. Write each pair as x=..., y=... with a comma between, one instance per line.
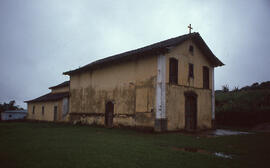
x=50, y=97
x=64, y=84
x=154, y=49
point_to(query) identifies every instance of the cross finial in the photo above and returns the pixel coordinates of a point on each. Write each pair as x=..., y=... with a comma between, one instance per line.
x=190, y=28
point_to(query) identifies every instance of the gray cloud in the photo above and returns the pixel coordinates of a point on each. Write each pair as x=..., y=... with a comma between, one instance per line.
x=41, y=39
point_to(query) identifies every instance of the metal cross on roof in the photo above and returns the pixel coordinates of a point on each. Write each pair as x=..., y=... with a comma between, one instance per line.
x=190, y=28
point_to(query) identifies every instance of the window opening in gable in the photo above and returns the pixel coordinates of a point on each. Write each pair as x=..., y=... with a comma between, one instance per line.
x=191, y=49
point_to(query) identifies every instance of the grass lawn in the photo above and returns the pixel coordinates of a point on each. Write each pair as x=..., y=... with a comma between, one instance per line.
x=49, y=145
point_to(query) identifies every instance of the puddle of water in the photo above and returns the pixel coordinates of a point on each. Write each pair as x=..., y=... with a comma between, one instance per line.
x=193, y=150
x=196, y=150
x=222, y=132
x=219, y=154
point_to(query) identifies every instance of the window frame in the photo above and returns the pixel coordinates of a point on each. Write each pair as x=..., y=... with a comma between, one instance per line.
x=42, y=110
x=191, y=49
x=206, y=78
x=55, y=108
x=33, y=110
x=191, y=70
x=173, y=74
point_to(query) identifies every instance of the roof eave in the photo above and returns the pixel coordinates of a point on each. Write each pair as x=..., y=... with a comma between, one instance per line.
x=220, y=64
x=65, y=94
x=61, y=85
x=96, y=65
x=215, y=61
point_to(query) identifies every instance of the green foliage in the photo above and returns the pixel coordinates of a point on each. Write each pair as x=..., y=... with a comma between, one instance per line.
x=225, y=88
x=235, y=89
x=244, y=107
x=60, y=145
x=9, y=106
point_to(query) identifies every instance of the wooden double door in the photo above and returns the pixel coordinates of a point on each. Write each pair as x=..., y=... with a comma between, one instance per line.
x=190, y=111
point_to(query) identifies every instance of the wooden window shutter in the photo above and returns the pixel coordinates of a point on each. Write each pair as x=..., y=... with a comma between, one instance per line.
x=173, y=74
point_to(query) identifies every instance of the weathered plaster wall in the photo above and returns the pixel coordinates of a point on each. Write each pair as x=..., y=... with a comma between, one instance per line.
x=130, y=85
x=175, y=92
x=184, y=57
x=60, y=89
x=48, y=110
x=176, y=107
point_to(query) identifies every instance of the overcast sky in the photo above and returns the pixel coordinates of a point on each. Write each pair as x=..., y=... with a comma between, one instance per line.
x=39, y=40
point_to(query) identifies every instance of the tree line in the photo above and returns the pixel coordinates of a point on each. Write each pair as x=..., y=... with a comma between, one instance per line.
x=9, y=106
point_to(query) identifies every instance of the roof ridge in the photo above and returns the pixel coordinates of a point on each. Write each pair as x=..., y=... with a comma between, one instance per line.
x=162, y=41
x=160, y=47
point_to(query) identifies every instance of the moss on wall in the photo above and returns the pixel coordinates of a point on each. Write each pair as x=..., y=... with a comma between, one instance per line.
x=176, y=107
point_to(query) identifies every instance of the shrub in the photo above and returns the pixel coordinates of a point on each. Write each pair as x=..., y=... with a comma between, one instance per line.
x=243, y=108
x=225, y=88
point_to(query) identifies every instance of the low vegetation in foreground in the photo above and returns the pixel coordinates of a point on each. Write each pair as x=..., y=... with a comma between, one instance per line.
x=24, y=144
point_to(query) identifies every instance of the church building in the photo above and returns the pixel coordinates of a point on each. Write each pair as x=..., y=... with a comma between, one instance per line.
x=165, y=86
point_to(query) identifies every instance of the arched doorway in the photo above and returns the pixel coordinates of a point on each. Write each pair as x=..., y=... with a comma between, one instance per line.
x=109, y=114
x=190, y=110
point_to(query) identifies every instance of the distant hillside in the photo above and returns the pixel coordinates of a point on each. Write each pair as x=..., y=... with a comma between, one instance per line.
x=246, y=106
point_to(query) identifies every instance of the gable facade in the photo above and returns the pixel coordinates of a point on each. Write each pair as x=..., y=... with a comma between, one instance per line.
x=176, y=92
